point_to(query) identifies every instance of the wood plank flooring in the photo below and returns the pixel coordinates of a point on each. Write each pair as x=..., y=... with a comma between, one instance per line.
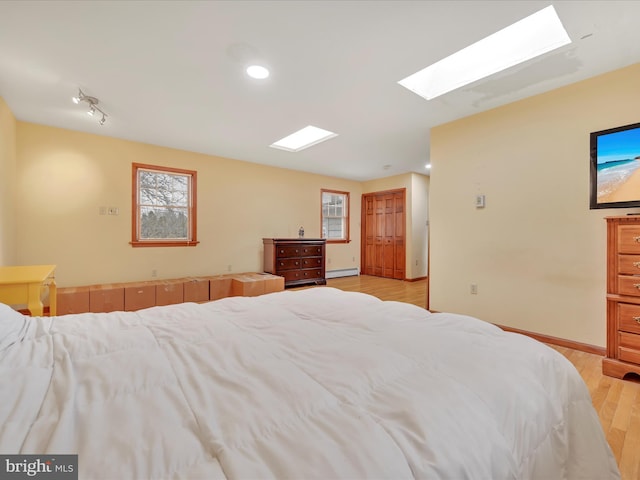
x=618, y=405
x=384, y=288
x=616, y=401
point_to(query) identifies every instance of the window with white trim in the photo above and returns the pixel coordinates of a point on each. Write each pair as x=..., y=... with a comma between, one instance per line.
x=163, y=207
x=335, y=216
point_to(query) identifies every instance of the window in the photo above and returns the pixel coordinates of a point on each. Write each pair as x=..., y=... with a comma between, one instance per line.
x=335, y=216
x=163, y=207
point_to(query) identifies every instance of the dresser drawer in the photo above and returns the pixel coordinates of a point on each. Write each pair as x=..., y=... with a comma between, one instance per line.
x=629, y=239
x=294, y=275
x=311, y=250
x=311, y=262
x=629, y=340
x=288, y=251
x=629, y=264
x=629, y=318
x=629, y=347
x=288, y=264
x=628, y=285
x=629, y=355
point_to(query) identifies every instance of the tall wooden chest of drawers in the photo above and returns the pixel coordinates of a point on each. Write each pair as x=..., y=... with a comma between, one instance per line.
x=299, y=260
x=623, y=296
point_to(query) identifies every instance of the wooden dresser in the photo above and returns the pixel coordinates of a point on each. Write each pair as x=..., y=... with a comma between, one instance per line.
x=299, y=260
x=623, y=296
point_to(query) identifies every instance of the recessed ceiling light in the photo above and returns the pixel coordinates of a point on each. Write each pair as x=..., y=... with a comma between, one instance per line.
x=257, y=71
x=303, y=138
x=528, y=38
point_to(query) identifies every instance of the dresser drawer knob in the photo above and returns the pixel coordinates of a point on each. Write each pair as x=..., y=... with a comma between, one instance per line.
x=637, y=285
x=636, y=239
x=636, y=319
x=636, y=264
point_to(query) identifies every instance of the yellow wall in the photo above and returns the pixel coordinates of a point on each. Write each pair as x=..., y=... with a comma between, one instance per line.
x=63, y=177
x=417, y=194
x=7, y=190
x=536, y=252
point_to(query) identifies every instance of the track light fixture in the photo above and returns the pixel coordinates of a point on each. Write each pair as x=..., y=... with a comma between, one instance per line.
x=93, y=105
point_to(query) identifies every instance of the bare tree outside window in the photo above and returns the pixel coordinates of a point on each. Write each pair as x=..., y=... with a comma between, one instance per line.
x=164, y=206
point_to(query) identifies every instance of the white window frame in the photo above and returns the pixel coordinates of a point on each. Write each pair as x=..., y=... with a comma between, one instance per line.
x=346, y=206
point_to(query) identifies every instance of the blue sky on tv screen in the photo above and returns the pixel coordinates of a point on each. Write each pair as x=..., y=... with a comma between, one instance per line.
x=614, y=147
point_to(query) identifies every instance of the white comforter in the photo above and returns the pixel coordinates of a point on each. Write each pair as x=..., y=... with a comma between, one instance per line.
x=317, y=383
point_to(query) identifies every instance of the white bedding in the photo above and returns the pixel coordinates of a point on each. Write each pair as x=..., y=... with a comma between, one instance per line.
x=316, y=383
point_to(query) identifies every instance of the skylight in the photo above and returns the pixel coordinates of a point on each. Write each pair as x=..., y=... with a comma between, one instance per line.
x=528, y=38
x=304, y=138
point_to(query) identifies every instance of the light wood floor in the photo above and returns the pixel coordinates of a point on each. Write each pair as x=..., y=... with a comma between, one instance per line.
x=618, y=405
x=616, y=401
x=384, y=288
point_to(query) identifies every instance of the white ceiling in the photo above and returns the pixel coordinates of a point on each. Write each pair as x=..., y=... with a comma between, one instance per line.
x=171, y=73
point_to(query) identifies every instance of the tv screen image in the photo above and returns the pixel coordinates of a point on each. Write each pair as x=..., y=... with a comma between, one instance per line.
x=615, y=167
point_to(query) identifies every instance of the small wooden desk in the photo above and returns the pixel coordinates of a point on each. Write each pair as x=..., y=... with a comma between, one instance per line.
x=23, y=285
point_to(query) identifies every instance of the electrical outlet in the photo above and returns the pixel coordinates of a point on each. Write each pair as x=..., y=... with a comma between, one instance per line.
x=154, y=273
x=113, y=211
x=416, y=263
x=474, y=289
x=228, y=268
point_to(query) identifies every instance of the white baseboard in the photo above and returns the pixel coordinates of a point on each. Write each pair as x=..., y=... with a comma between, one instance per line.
x=345, y=272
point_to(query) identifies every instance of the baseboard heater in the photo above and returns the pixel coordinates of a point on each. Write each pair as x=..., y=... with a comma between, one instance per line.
x=345, y=272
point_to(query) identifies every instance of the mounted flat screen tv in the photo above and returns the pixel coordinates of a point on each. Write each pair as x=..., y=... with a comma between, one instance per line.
x=615, y=167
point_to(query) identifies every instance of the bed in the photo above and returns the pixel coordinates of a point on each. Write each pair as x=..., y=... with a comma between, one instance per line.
x=315, y=383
